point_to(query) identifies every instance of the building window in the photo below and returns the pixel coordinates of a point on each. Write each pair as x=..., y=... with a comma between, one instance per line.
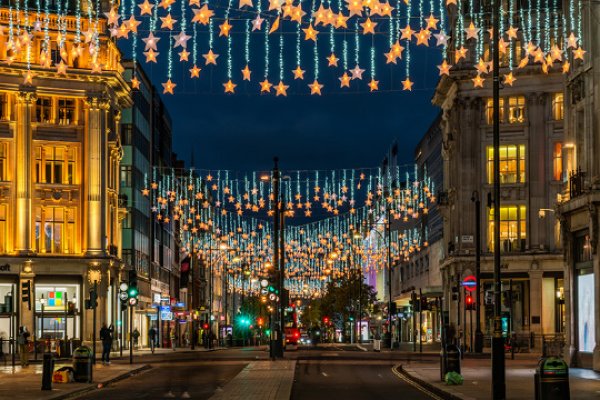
x=66, y=111
x=56, y=164
x=490, y=111
x=43, y=110
x=558, y=111
x=3, y=107
x=516, y=109
x=513, y=228
x=3, y=161
x=557, y=166
x=3, y=228
x=125, y=175
x=512, y=164
x=55, y=230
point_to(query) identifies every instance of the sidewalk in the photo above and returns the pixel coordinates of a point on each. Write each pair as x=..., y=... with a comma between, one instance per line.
x=261, y=380
x=584, y=384
x=25, y=383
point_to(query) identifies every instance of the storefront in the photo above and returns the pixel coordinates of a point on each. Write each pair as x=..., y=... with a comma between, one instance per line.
x=8, y=311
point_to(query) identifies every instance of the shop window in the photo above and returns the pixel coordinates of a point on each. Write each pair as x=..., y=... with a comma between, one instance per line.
x=52, y=304
x=3, y=228
x=55, y=230
x=66, y=111
x=490, y=111
x=3, y=161
x=558, y=111
x=43, y=110
x=516, y=109
x=557, y=165
x=512, y=164
x=56, y=164
x=513, y=228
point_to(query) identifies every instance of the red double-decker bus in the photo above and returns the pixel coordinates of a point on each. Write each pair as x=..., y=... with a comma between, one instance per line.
x=291, y=331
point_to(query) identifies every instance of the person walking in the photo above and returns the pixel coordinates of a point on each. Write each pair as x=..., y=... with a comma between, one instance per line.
x=152, y=335
x=173, y=339
x=23, y=342
x=136, y=338
x=106, y=335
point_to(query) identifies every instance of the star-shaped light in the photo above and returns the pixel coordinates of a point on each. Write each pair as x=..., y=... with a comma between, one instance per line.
x=341, y=21
x=112, y=17
x=167, y=22
x=210, y=57
x=509, y=79
x=460, y=54
x=243, y=3
x=61, y=68
x=135, y=83
x=265, y=86
x=28, y=77
x=225, y=27
x=202, y=15
x=246, y=73
x=275, y=25
x=357, y=72
x=332, y=60
x=151, y=56
x=229, y=86
x=368, y=26
x=407, y=84
x=132, y=24
x=281, y=89
x=151, y=41
x=373, y=85
x=298, y=73
x=274, y=5
x=123, y=31
x=297, y=13
x=386, y=9
x=168, y=87
x=578, y=53
x=444, y=68
x=390, y=57
x=482, y=67
x=566, y=67
x=315, y=87
x=572, y=41
x=184, y=55
x=195, y=71
x=432, y=22
x=166, y=3
x=320, y=15
x=556, y=53
x=344, y=80
x=146, y=8
x=423, y=37
x=310, y=33
x=181, y=40
x=441, y=38
x=472, y=31
x=355, y=7
x=257, y=23
x=397, y=49
x=511, y=32
x=478, y=81
x=407, y=33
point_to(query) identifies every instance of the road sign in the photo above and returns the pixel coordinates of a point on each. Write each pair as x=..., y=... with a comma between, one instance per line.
x=469, y=283
x=123, y=296
x=264, y=283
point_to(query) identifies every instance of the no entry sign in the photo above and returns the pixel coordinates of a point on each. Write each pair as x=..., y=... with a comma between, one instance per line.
x=469, y=283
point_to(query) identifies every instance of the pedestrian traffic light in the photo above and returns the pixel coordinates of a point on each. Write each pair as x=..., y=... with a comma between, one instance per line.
x=132, y=284
x=469, y=302
x=26, y=293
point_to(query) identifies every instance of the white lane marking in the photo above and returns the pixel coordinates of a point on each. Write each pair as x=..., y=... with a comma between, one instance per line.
x=324, y=374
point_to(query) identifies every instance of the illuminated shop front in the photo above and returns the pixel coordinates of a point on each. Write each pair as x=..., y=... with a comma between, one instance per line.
x=57, y=310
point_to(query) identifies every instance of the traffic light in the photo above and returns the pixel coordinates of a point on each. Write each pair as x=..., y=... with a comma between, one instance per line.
x=132, y=287
x=92, y=302
x=326, y=320
x=424, y=304
x=469, y=302
x=260, y=321
x=204, y=325
x=26, y=293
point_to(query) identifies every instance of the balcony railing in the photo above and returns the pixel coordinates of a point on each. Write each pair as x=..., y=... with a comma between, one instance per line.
x=576, y=183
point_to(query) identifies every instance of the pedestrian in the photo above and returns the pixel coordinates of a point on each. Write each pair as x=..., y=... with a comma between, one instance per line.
x=106, y=335
x=23, y=342
x=136, y=338
x=152, y=335
x=173, y=339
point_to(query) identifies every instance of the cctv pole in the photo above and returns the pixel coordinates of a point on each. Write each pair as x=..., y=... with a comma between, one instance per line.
x=498, y=362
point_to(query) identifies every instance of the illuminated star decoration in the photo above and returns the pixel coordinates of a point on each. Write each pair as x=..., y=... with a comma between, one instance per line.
x=310, y=33
x=195, y=72
x=357, y=72
x=167, y=22
x=444, y=68
x=135, y=83
x=478, y=81
x=151, y=56
x=373, y=85
x=229, y=86
x=257, y=23
x=151, y=41
x=181, y=40
x=168, y=87
x=368, y=26
x=146, y=8
x=407, y=84
x=333, y=60
x=265, y=86
x=281, y=89
x=210, y=57
x=315, y=88
x=509, y=79
x=246, y=73
x=298, y=73
x=344, y=80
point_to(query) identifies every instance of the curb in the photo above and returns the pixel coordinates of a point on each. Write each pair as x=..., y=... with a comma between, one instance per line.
x=362, y=347
x=94, y=386
x=432, y=390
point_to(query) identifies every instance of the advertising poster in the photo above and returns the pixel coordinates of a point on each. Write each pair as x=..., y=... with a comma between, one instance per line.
x=586, y=313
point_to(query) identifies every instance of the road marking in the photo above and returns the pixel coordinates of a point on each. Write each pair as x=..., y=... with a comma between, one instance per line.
x=414, y=384
x=379, y=375
x=324, y=374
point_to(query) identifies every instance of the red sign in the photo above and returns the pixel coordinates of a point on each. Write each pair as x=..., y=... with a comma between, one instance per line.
x=469, y=283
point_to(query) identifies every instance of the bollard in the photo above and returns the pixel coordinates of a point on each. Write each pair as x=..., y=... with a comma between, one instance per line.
x=47, y=371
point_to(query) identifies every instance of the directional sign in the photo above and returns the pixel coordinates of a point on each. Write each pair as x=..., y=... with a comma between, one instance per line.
x=123, y=296
x=469, y=283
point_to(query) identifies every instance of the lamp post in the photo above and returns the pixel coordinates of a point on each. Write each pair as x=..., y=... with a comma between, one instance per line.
x=478, y=334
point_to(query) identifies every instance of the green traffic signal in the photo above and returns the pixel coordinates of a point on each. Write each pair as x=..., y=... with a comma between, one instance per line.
x=132, y=292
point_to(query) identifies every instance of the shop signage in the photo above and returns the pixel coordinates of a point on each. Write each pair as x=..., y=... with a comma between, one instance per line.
x=5, y=268
x=466, y=238
x=165, y=313
x=153, y=316
x=469, y=283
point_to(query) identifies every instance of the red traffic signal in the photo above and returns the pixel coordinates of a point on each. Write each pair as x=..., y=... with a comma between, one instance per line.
x=326, y=320
x=469, y=302
x=205, y=326
x=260, y=321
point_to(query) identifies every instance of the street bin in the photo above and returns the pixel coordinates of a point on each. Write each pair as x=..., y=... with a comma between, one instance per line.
x=452, y=363
x=551, y=379
x=376, y=344
x=82, y=364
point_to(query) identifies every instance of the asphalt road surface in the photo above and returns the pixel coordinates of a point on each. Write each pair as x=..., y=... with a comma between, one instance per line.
x=199, y=379
x=316, y=379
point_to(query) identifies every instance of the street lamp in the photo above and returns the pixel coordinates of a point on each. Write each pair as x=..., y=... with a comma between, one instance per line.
x=478, y=334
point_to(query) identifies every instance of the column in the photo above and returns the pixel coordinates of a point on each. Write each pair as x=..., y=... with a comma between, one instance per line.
x=535, y=304
x=94, y=172
x=23, y=172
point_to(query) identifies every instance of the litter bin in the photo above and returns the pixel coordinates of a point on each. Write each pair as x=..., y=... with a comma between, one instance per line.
x=452, y=359
x=376, y=344
x=82, y=364
x=551, y=379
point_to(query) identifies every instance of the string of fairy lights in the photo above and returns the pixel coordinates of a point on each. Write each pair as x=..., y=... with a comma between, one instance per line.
x=535, y=33
x=233, y=210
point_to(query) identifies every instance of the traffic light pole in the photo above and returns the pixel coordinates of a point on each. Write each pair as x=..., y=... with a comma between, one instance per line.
x=94, y=303
x=478, y=334
x=276, y=344
x=130, y=334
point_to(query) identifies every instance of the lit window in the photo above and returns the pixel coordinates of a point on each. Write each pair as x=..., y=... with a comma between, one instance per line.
x=512, y=164
x=55, y=230
x=3, y=161
x=3, y=107
x=43, y=110
x=513, y=228
x=557, y=166
x=3, y=228
x=516, y=109
x=490, y=111
x=66, y=111
x=558, y=111
x=53, y=161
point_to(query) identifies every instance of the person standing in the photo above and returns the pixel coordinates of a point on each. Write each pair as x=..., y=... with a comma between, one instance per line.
x=23, y=342
x=173, y=339
x=106, y=335
x=136, y=338
x=152, y=335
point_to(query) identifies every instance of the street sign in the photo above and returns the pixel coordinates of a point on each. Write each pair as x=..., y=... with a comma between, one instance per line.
x=123, y=286
x=165, y=313
x=123, y=296
x=133, y=301
x=469, y=283
x=466, y=238
x=264, y=283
